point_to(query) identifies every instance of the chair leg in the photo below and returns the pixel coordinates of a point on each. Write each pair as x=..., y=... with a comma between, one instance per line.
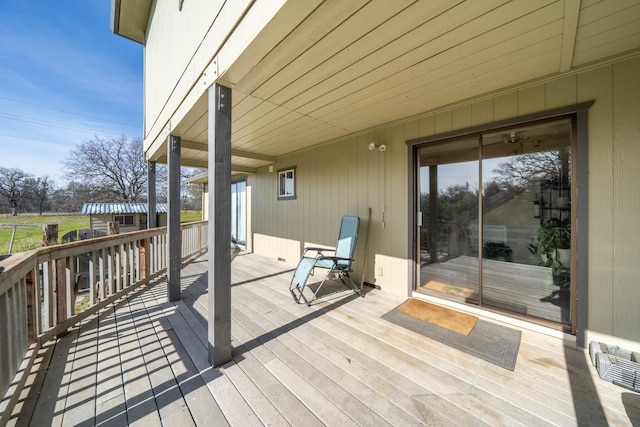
x=345, y=275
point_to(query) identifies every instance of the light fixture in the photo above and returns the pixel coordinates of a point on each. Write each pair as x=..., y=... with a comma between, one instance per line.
x=380, y=147
x=513, y=137
x=536, y=208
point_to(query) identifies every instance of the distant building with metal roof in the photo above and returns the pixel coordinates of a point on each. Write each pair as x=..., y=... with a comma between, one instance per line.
x=130, y=216
x=120, y=208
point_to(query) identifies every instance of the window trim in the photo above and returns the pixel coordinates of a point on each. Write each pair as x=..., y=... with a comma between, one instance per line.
x=294, y=194
x=124, y=217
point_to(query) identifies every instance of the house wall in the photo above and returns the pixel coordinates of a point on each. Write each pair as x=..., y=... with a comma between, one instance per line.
x=181, y=45
x=344, y=177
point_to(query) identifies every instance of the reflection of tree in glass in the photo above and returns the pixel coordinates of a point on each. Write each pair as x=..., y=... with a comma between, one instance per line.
x=520, y=171
x=458, y=203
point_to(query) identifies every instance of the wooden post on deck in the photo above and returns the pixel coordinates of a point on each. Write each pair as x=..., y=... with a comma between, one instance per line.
x=113, y=227
x=49, y=234
x=173, y=218
x=219, y=230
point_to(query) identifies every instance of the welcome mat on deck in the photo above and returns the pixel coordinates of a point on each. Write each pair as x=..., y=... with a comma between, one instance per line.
x=452, y=320
x=488, y=341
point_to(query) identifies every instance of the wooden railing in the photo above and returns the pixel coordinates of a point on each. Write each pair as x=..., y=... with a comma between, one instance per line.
x=45, y=291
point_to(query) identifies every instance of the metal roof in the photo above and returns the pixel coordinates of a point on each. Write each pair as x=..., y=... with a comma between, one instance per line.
x=119, y=208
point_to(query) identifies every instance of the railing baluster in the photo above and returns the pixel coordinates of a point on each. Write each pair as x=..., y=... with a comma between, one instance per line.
x=131, y=264
x=47, y=293
x=60, y=290
x=92, y=278
x=118, y=267
x=101, y=275
x=110, y=267
x=33, y=306
x=70, y=294
x=37, y=306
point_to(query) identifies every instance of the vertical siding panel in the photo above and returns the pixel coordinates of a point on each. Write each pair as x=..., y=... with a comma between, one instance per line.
x=343, y=162
x=307, y=195
x=373, y=194
x=505, y=106
x=351, y=152
x=325, y=167
x=426, y=126
x=626, y=175
x=461, y=117
x=531, y=100
x=482, y=112
x=399, y=192
x=300, y=173
x=363, y=155
x=598, y=85
x=443, y=122
x=560, y=93
x=386, y=187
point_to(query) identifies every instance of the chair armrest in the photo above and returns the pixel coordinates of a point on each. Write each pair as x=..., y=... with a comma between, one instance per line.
x=318, y=250
x=335, y=258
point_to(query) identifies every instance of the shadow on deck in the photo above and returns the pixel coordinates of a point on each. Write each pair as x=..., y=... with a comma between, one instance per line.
x=145, y=360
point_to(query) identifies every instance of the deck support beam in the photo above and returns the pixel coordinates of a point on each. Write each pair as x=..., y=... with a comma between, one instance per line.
x=173, y=218
x=219, y=230
x=151, y=195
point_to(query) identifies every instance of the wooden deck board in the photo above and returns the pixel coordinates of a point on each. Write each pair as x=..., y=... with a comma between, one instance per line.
x=144, y=361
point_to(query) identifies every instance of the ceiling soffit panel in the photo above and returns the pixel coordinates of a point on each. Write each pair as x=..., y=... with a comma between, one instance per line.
x=442, y=57
x=350, y=66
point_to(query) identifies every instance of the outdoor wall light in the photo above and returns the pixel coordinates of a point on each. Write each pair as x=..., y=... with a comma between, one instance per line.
x=380, y=147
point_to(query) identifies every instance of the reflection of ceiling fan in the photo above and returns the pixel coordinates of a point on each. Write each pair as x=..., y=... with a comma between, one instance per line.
x=513, y=137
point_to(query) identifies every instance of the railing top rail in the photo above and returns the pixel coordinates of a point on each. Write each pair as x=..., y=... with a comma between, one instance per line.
x=17, y=266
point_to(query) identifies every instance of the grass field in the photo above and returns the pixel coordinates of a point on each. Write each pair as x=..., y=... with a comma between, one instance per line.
x=29, y=228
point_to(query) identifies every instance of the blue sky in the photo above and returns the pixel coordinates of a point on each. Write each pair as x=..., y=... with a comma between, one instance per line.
x=64, y=78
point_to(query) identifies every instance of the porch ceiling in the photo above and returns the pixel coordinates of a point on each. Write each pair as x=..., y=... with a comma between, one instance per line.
x=351, y=66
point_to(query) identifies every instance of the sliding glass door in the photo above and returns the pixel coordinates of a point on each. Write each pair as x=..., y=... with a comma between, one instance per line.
x=495, y=222
x=449, y=215
x=238, y=212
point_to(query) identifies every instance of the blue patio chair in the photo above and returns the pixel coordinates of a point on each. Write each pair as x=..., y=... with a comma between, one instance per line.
x=338, y=264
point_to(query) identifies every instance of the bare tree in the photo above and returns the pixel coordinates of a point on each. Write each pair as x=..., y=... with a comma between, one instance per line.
x=115, y=163
x=521, y=170
x=12, y=182
x=39, y=191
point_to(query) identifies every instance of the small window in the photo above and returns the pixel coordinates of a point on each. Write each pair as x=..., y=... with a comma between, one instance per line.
x=124, y=219
x=287, y=184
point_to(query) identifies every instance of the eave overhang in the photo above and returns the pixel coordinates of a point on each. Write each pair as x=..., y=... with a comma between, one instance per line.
x=129, y=18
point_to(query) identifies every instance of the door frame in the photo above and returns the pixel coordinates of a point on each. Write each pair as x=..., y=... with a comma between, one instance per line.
x=579, y=113
x=244, y=203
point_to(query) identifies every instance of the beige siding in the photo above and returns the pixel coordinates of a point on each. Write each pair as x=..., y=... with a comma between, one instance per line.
x=180, y=45
x=344, y=177
x=626, y=200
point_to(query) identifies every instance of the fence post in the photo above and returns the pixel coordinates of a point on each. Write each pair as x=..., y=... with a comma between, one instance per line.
x=49, y=234
x=113, y=227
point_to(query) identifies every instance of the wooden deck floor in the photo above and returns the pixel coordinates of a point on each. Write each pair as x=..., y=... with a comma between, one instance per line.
x=144, y=362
